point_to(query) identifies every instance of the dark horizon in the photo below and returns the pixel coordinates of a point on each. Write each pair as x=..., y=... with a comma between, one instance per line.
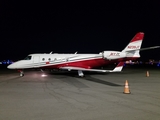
x=86, y=27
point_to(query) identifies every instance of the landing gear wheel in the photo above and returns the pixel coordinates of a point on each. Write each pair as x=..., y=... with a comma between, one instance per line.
x=21, y=73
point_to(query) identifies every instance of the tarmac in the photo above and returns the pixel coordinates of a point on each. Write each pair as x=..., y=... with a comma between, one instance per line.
x=65, y=96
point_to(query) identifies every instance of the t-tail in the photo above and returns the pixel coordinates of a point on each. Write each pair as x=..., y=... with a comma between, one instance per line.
x=130, y=52
x=133, y=48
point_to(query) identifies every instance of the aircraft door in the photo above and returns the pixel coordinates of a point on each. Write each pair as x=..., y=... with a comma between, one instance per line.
x=36, y=61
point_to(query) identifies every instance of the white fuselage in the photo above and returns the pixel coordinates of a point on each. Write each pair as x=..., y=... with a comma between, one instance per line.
x=56, y=61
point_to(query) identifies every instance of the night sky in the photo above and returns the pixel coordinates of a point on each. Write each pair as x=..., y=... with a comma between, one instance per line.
x=66, y=27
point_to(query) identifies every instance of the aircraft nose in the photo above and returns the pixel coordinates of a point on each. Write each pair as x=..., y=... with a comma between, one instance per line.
x=11, y=66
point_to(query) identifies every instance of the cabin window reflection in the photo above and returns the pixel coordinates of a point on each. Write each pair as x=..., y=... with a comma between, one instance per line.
x=28, y=58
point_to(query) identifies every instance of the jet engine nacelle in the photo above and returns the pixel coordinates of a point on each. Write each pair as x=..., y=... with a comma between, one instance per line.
x=111, y=55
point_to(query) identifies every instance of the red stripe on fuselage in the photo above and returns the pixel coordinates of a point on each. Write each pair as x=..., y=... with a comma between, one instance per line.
x=88, y=64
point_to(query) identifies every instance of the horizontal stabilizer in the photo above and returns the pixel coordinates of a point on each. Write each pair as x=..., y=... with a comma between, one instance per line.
x=148, y=48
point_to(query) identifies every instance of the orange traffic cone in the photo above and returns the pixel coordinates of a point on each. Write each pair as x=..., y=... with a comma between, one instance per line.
x=126, y=88
x=147, y=74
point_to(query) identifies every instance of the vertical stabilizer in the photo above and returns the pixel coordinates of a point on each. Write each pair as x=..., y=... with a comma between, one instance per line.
x=133, y=47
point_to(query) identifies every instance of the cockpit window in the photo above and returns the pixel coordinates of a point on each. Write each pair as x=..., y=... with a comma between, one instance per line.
x=28, y=58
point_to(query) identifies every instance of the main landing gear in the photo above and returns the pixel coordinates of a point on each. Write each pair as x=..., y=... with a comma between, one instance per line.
x=80, y=73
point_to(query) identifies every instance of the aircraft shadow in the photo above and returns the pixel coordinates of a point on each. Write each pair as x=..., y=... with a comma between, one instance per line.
x=92, y=79
x=86, y=77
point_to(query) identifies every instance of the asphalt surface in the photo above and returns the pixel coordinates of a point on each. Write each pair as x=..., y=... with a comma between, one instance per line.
x=65, y=96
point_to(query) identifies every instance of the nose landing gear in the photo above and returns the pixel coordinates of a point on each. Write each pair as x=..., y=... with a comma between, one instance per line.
x=21, y=73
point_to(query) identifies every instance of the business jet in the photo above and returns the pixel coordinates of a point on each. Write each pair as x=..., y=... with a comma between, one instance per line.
x=83, y=62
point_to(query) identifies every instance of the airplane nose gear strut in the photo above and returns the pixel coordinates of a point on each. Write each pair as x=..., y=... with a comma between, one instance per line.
x=21, y=73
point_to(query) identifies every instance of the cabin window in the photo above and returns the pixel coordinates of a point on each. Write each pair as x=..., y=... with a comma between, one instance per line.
x=28, y=58
x=67, y=59
x=43, y=59
x=49, y=59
